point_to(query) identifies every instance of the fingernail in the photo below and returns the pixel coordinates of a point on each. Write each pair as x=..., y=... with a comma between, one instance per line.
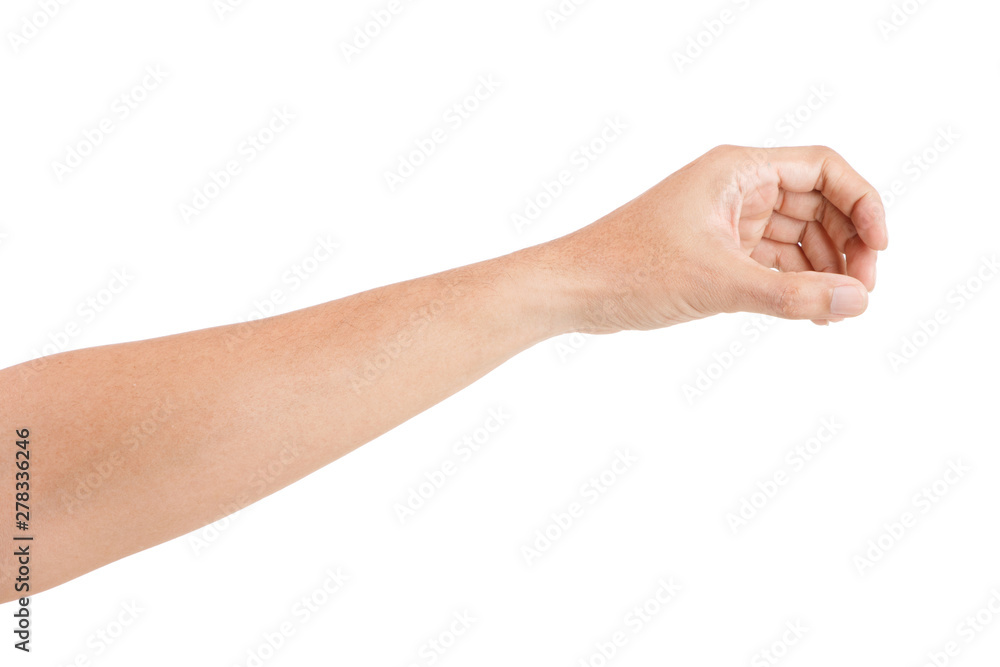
x=847, y=300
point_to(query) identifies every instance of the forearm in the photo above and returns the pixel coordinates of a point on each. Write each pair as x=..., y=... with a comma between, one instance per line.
x=141, y=442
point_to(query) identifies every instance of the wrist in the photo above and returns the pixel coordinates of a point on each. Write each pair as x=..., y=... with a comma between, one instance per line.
x=554, y=295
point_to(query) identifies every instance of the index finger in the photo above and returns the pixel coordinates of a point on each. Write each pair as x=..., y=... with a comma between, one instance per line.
x=808, y=168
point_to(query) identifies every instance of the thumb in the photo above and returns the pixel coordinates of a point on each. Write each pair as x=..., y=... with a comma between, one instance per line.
x=801, y=295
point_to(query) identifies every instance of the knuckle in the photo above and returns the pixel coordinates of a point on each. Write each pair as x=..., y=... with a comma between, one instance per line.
x=826, y=153
x=722, y=152
x=789, y=302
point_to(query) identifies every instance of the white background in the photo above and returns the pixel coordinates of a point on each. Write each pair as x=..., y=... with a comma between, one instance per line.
x=573, y=402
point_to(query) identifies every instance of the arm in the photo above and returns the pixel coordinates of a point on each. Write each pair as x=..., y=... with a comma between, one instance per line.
x=142, y=442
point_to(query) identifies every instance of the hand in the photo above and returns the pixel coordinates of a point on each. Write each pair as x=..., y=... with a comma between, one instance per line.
x=706, y=239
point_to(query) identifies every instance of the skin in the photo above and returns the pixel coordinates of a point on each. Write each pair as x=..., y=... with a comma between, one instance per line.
x=138, y=443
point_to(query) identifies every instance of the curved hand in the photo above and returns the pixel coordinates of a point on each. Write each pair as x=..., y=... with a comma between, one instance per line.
x=704, y=241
